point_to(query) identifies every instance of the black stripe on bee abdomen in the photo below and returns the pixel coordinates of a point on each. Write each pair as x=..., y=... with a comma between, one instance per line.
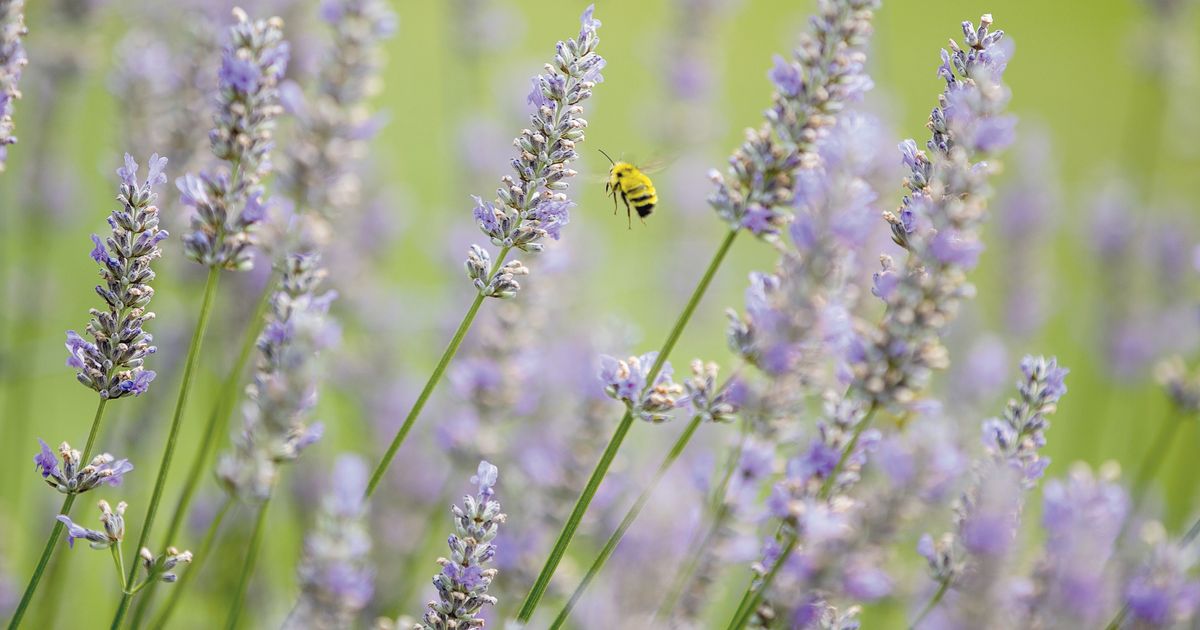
x=644, y=210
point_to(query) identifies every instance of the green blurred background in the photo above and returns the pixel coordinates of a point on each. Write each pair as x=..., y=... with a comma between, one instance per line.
x=1078, y=77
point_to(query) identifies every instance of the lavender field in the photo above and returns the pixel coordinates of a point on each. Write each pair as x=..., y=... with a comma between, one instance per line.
x=329, y=314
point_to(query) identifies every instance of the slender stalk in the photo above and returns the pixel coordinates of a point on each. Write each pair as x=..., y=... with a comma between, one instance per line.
x=239, y=597
x=630, y=517
x=218, y=420
x=702, y=540
x=186, y=578
x=943, y=586
x=193, y=356
x=430, y=384
x=56, y=531
x=1153, y=459
x=606, y=458
x=755, y=592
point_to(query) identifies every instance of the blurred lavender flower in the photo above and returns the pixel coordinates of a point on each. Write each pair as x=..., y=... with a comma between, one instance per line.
x=71, y=478
x=284, y=391
x=938, y=222
x=626, y=381
x=228, y=203
x=113, y=364
x=1082, y=518
x=12, y=62
x=334, y=125
x=1182, y=387
x=535, y=205
x=709, y=400
x=336, y=580
x=463, y=582
x=827, y=73
x=1015, y=439
x=1162, y=592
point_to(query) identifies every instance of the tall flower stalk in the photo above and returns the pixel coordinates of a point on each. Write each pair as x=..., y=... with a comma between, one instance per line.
x=758, y=191
x=227, y=202
x=112, y=363
x=531, y=204
x=938, y=224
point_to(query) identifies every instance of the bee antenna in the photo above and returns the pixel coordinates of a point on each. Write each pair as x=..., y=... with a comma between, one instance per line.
x=610, y=160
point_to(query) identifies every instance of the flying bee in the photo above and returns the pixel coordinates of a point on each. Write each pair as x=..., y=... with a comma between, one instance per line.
x=634, y=188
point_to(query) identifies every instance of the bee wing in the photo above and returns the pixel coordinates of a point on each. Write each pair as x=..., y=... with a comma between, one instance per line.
x=656, y=164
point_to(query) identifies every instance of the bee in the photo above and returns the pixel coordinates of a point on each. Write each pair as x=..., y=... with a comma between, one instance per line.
x=633, y=187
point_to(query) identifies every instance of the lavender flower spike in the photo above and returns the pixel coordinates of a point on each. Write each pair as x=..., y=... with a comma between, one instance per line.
x=228, y=203
x=71, y=478
x=112, y=363
x=534, y=204
x=626, y=381
x=938, y=222
x=276, y=427
x=828, y=71
x=12, y=62
x=463, y=582
x=335, y=575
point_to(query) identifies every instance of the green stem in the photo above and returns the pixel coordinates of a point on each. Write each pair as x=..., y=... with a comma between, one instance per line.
x=56, y=531
x=239, y=597
x=1153, y=459
x=630, y=517
x=754, y=592
x=119, y=560
x=186, y=578
x=943, y=586
x=702, y=541
x=610, y=451
x=218, y=421
x=430, y=384
x=193, y=356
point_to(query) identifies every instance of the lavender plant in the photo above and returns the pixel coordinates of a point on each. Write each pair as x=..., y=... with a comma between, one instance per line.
x=758, y=191
x=463, y=582
x=937, y=224
x=113, y=364
x=335, y=571
x=12, y=62
x=531, y=206
x=226, y=201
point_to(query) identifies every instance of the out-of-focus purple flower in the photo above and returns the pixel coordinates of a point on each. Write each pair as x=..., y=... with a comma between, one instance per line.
x=709, y=400
x=113, y=364
x=226, y=205
x=12, y=63
x=1162, y=592
x=335, y=575
x=485, y=477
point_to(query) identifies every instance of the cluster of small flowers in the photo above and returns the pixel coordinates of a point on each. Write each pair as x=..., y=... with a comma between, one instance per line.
x=1182, y=387
x=710, y=401
x=534, y=205
x=113, y=364
x=1163, y=591
x=463, y=583
x=336, y=580
x=333, y=127
x=284, y=391
x=71, y=478
x=227, y=204
x=938, y=223
x=1016, y=439
x=158, y=567
x=826, y=73
x=626, y=381
x=12, y=62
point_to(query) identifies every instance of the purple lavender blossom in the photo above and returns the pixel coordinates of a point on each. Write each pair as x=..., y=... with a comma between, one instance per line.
x=71, y=477
x=1162, y=593
x=227, y=203
x=709, y=400
x=112, y=364
x=12, y=62
x=827, y=72
x=276, y=426
x=336, y=580
x=463, y=582
x=534, y=205
x=112, y=520
x=937, y=224
x=1182, y=387
x=626, y=381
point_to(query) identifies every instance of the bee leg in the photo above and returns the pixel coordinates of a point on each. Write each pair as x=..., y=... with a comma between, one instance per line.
x=614, y=196
x=628, y=211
